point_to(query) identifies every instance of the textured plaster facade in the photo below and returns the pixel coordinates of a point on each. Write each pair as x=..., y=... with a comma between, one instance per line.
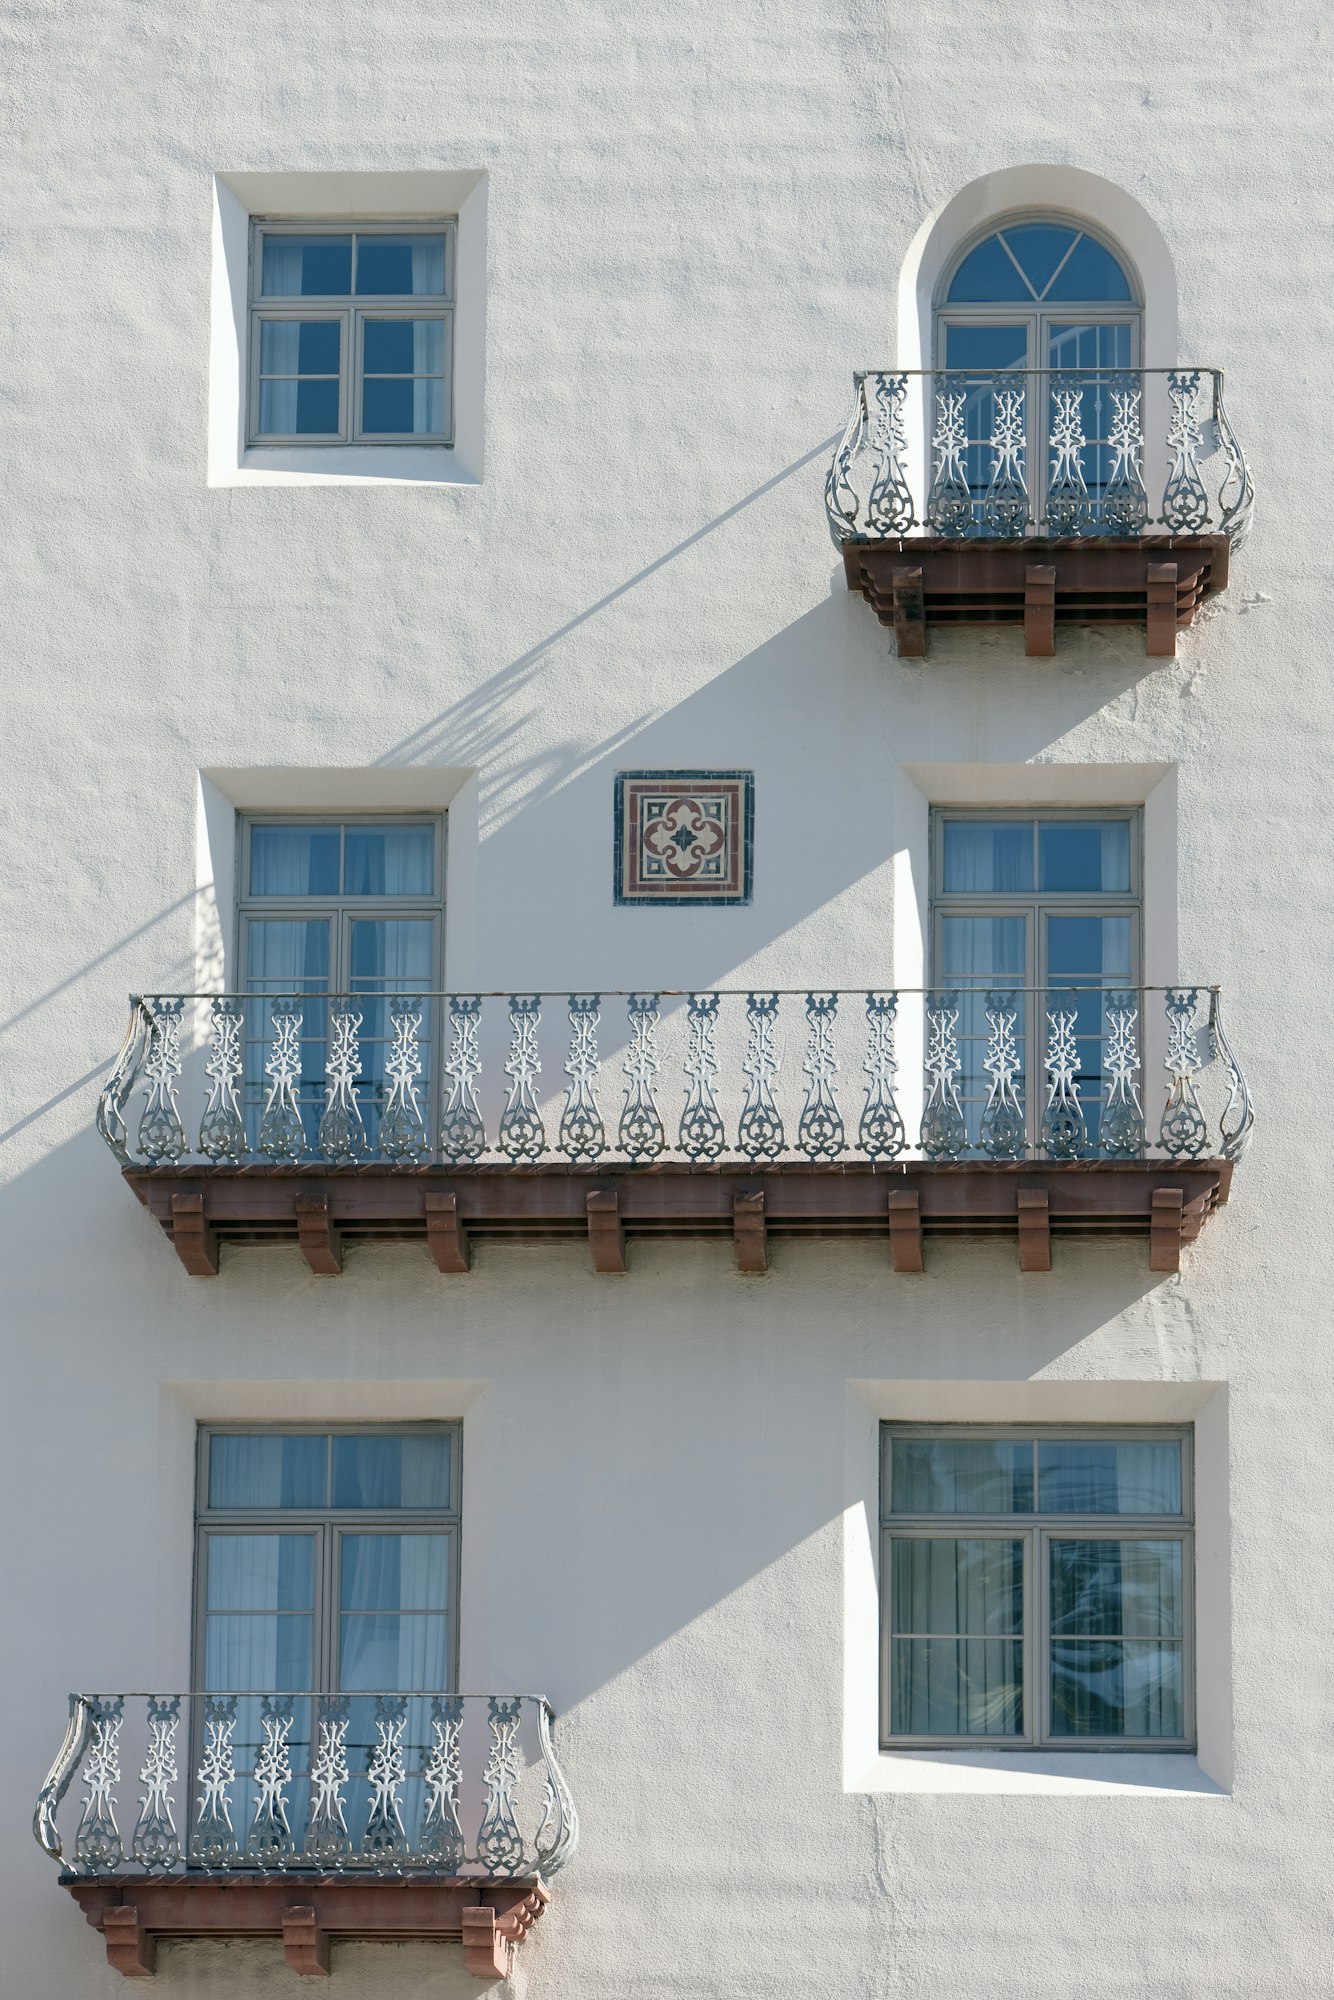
x=696, y=222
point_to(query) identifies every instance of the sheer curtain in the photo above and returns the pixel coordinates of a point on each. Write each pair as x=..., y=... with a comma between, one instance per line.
x=956, y=1636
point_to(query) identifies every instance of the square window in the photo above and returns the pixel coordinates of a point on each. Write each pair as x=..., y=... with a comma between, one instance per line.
x=349, y=375
x=1036, y=1588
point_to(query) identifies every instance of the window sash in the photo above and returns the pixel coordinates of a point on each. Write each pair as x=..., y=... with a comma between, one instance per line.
x=1037, y=1532
x=351, y=309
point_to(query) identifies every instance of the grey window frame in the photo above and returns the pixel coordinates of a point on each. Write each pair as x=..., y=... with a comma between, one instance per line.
x=327, y=1523
x=1036, y=1531
x=351, y=311
x=1038, y=316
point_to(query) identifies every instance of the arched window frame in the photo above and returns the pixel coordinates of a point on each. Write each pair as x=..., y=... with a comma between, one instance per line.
x=1033, y=313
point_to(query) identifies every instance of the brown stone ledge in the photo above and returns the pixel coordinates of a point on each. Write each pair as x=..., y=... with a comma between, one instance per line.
x=319, y=1208
x=306, y=1912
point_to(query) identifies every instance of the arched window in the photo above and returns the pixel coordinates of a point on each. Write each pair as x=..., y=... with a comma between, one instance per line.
x=1040, y=294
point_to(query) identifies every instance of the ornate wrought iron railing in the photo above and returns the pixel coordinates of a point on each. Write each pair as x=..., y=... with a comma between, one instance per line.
x=1066, y=1073
x=1059, y=452
x=442, y=1784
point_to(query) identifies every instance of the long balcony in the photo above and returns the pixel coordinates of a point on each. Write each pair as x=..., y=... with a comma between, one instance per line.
x=1038, y=498
x=320, y=1120
x=309, y=1818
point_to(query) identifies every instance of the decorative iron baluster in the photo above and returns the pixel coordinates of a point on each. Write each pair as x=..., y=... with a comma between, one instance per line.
x=760, y=1132
x=1005, y=503
x=121, y=1079
x=583, y=1136
x=281, y=1133
x=327, y=1839
x=68, y=1758
x=1183, y=1133
x=499, y=1841
x=1185, y=502
x=944, y=1130
x=161, y=1133
x=403, y=1134
x=1064, y=1128
x=841, y=500
x=820, y=1130
x=342, y=1133
x=889, y=507
x=462, y=1133
x=385, y=1840
x=949, y=504
x=522, y=1133
x=1234, y=1131
x=213, y=1840
x=155, y=1843
x=558, y=1833
x=222, y=1128
x=97, y=1844
x=702, y=1135
x=1002, y=1132
x=640, y=1131
x=1125, y=502
x=1121, y=1126
x=1236, y=495
x=1068, y=509
x=269, y=1842
x=442, y=1842
x=880, y=1132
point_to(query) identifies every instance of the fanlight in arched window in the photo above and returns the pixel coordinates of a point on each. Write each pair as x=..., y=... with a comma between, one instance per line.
x=1042, y=297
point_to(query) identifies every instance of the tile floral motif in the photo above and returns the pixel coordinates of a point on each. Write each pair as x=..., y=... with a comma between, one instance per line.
x=684, y=836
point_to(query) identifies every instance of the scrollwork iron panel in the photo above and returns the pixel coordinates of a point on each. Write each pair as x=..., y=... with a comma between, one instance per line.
x=881, y=1134
x=821, y=1134
x=500, y=1845
x=889, y=507
x=1005, y=503
x=442, y=1844
x=281, y=1133
x=403, y=1134
x=760, y=1133
x=342, y=1136
x=385, y=1841
x=269, y=1842
x=583, y=1136
x=522, y=1133
x=1002, y=1130
x=1064, y=1126
x=213, y=1842
x=1185, y=502
x=1121, y=1126
x=640, y=1133
x=161, y=1133
x=222, y=1134
x=944, y=1129
x=949, y=502
x=1183, y=1132
x=155, y=1844
x=462, y=1133
x=97, y=1843
x=702, y=1135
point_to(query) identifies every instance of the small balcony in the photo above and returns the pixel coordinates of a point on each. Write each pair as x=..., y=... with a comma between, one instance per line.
x=323, y=1120
x=1038, y=498
x=309, y=1818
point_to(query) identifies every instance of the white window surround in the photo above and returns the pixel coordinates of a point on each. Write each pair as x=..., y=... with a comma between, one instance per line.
x=351, y=197
x=1051, y=1773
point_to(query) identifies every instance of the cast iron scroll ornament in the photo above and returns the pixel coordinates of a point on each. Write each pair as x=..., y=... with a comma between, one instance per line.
x=522, y=1133
x=583, y=1136
x=403, y=1134
x=640, y=1133
x=1121, y=1126
x=820, y=1131
x=213, y=1838
x=281, y=1134
x=1064, y=1127
x=222, y=1128
x=155, y=1844
x=1184, y=1133
x=880, y=1132
x=462, y=1133
x=1001, y=1131
x=944, y=1131
x=342, y=1134
x=760, y=1131
x=702, y=1134
x=161, y=1133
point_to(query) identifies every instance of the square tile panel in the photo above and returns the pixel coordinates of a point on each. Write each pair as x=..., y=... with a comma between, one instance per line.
x=684, y=836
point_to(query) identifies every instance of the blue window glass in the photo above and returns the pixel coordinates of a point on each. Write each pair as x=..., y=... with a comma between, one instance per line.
x=987, y=857
x=265, y=1469
x=390, y=861
x=961, y=1476
x=1121, y=1476
x=1037, y=261
x=374, y=1471
x=401, y=266
x=1080, y=855
x=304, y=267
x=294, y=860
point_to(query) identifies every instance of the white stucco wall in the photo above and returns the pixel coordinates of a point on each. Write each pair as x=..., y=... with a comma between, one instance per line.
x=695, y=226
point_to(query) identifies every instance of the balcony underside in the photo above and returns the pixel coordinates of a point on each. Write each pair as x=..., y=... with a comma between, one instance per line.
x=1157, y=581
x=307, y=1912
x=322, y=1209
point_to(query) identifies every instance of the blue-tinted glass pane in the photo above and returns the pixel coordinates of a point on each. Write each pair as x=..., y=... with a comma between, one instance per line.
x=401, y=266
x=394, y=1573
x=294, y=860
x=390, y=861
x=1089, y=347
x=403, y=406
x=1089, y=950
x=391, y=954
x=987, y=273
x=983, y=950
x=985, y=857
x=285, y=955
x=260, y=1572
x=391, y=1471
x=1117, y=1687
x=299, y=346
x=266, y=1654
x=298, y=407
x=267, y=1471
x=1090, y=272
x=307, y=267
x=383, y=1651
x=1120, y=1476
x=404, y=346
x=1038, y=248
x=944, y=1586
x=1082, y=856
x=961, y=1476
x=986, y=348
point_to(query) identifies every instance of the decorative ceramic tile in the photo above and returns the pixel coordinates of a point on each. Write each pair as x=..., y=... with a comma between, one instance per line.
x=684, y=836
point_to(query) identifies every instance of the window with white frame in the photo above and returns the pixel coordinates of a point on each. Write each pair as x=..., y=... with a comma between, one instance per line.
x=1037, y=1587
x=339, y=906
x=326, y=1564
x=351, y=333
x=1041, y=906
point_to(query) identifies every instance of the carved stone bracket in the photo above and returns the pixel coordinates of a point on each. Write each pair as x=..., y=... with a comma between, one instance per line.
x=905, y=1232
x=306, y=1914
x=1166, y=1229
x=444, y=1238
x=1034, y=1229
x=750, y=1241
x=606, y=1238
x=321, y=1243
x=196, y=1244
